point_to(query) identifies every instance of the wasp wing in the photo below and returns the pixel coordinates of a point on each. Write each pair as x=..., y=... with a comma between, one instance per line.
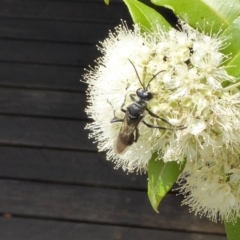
x=126, y=134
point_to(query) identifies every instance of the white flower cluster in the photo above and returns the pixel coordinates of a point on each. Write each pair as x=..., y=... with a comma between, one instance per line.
x=211, y=188
x=184, y=72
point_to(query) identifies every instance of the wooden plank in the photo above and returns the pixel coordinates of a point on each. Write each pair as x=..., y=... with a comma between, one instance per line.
x=48, y=53
x=49, y=30
x=65, y=166
x=41, y=76
x=28, y=229
x=98, y=205
x=41, y=132
x=65, y=10
x=68, y=105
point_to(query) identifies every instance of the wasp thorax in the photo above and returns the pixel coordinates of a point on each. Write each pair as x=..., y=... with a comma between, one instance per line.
x=144, y=94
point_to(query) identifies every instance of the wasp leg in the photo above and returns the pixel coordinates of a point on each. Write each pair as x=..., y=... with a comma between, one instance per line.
x=132, y=97
x=122, y=109
x=156, y=116
x=137, y=135
x=181, y=127
x=115, y=119
x=173, y=127
x=152, y=126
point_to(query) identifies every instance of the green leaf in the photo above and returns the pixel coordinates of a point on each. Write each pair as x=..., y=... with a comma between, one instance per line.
x=232, y=230
x=233, y=35
x=145, y=16
x=161, y=177
x=218, y=13
x=107, y=1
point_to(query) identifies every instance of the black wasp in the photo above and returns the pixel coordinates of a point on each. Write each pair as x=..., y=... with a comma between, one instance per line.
x=134, y=115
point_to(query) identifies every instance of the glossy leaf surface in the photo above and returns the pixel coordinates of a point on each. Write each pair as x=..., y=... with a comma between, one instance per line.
x=232, y=230
x=211, y=15
x=161, y=177
x=232, y=33
x=145, y=16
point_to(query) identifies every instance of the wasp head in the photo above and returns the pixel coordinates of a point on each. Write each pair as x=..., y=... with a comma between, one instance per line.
x=144, y=94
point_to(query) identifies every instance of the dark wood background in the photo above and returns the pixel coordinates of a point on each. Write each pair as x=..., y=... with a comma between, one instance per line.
x=53, y=182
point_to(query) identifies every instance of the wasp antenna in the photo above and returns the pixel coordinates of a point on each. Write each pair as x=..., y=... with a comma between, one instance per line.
x=154, y=77
x=136, y=72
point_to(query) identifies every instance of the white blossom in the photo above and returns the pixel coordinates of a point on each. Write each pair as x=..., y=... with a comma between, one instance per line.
x=211, y=188
x=200, y=117
x=187, y=92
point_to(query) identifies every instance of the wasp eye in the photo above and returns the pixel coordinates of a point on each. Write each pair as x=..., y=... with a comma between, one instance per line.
x=144, y=94
x=148, y=96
